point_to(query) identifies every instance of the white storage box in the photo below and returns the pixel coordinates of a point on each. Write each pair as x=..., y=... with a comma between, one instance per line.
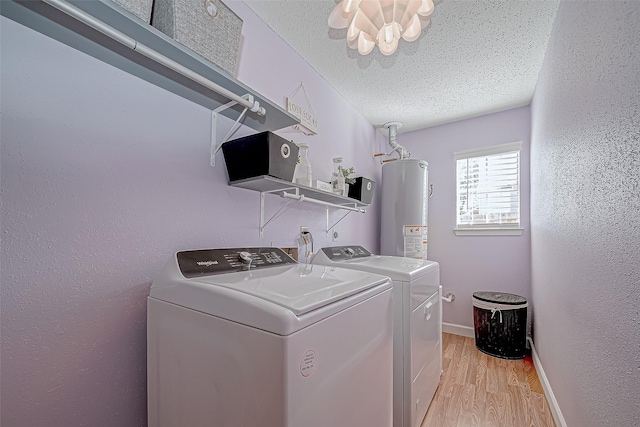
x=208, y=27
x=140, y=8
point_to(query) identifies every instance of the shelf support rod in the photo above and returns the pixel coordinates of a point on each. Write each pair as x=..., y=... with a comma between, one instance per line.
x=85, y=18
x=302, y=198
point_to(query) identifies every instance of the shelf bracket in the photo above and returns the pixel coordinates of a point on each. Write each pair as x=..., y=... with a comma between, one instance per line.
x=336, y=223
x=264, y=223
x=215, y=147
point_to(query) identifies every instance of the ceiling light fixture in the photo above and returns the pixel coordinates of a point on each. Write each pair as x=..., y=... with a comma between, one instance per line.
x=380, y=22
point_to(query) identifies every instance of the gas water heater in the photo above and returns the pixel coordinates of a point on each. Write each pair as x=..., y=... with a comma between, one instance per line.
x=405, y=195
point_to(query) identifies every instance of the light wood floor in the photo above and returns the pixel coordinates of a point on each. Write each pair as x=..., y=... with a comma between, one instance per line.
x=481, y=390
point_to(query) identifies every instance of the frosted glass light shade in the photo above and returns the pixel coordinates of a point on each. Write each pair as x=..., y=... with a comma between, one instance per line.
x=380, y=22
x=365, y=44
x=413, y=30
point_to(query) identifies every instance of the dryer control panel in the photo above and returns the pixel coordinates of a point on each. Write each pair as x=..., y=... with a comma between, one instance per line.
x=207, y=262
x=337, y=253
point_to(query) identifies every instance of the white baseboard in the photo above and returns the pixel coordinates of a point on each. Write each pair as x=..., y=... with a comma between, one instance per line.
x=551, y=399
x=465, y=331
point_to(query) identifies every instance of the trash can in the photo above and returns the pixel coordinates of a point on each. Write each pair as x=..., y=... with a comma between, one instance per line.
x=500, y=321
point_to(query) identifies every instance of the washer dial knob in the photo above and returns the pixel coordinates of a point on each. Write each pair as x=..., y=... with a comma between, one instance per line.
x=245, y=257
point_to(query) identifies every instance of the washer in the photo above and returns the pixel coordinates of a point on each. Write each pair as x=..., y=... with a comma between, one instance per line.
x=248, y=337
x=417, y=331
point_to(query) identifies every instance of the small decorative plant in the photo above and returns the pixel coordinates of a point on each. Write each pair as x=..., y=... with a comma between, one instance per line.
x=346, y=172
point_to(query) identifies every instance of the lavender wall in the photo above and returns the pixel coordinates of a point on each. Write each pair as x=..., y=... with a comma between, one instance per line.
x=104, y=176
x=585, y=199
x=473, y=263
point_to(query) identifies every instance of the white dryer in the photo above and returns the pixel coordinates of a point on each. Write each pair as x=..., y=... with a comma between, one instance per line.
x=417, y=330
x=247, y=337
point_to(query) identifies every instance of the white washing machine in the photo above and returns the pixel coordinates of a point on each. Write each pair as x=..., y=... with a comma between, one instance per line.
x=417, y=330
x=248, y=337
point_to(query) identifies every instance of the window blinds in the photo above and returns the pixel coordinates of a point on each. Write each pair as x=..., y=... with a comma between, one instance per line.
x=488, y=187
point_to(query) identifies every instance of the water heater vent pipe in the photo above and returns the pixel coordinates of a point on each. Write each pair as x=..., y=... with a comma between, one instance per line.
x=392, y=127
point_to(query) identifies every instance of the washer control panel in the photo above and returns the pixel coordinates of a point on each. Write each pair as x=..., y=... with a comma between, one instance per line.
x=338, y=253
x=206, y=262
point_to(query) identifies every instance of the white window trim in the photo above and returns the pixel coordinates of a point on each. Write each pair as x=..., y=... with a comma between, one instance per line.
x=489, y=230
x=488, y=151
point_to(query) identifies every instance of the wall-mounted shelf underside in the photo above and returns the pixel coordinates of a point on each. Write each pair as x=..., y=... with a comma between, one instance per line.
x=269, y=185
x=50, y=21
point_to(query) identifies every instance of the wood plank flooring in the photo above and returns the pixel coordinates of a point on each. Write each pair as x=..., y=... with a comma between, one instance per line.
x=480, y=390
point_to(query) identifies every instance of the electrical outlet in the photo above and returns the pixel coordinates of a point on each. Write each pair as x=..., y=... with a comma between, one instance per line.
x=334, y=236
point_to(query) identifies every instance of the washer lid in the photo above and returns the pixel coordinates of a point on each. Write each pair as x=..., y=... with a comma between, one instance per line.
x=281, y=299
x=298, y=288
x=397, y=268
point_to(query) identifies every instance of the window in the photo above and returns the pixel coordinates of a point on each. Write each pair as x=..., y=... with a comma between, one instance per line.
x=488, y=190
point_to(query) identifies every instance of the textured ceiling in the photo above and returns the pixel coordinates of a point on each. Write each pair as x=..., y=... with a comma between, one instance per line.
x=475, y=57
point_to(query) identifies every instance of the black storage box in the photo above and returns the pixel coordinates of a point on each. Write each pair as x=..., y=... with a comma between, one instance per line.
x=264, y=153
x=500, y=322
x=362, y=190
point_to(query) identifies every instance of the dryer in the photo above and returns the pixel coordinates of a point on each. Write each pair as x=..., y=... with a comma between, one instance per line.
x=248, y=337
x=417, y=330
